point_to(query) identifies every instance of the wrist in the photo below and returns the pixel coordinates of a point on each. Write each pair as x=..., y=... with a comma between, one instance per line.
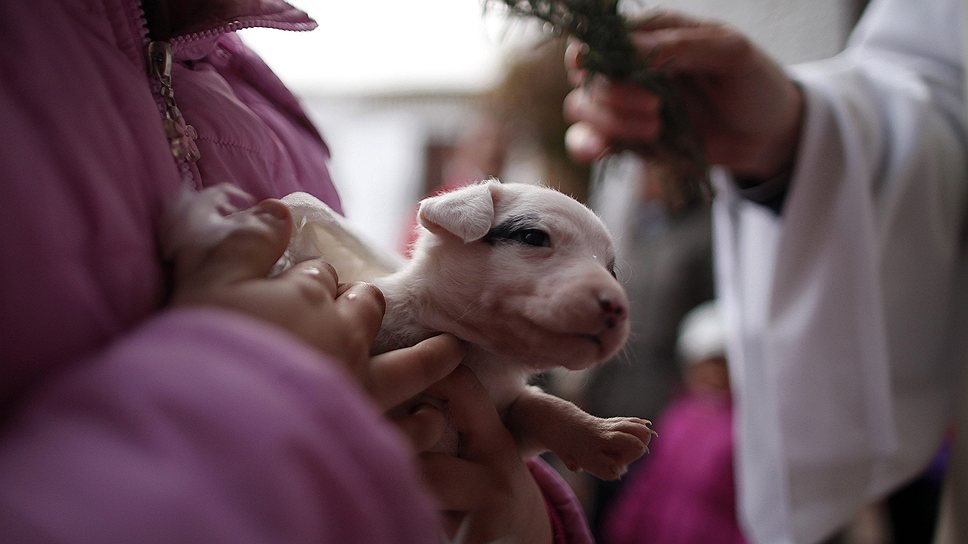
x=773, y=153
x=765, y=191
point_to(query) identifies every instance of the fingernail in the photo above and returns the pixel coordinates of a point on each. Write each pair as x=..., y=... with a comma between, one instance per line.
x=582, y=54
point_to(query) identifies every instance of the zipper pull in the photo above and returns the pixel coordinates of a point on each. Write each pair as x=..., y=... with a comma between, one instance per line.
x=181, y=135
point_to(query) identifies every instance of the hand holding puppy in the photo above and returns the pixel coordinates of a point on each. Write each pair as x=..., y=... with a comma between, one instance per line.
x=486, y=492
x=307, y=300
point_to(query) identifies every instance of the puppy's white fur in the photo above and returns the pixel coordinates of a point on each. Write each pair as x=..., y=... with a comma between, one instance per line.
x=523, y=274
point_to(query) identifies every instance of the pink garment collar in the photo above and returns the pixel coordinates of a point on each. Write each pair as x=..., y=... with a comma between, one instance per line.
x=254, y=14
x=131, y=25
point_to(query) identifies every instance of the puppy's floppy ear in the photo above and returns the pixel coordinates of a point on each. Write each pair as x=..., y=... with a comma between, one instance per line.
x=466, y=213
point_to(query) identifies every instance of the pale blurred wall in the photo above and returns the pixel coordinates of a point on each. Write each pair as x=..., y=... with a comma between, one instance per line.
x=377, y=144
x=378, y=140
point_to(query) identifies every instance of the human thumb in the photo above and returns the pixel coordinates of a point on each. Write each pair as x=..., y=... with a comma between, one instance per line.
x=253, y=246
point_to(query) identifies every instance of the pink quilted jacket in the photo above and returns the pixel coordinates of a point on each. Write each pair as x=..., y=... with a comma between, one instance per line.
x=127, y=422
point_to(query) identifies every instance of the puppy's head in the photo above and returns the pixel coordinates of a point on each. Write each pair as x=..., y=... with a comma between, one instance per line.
x=522, y=271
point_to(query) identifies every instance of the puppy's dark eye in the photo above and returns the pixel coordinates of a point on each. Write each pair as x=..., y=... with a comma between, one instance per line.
x=531, y=237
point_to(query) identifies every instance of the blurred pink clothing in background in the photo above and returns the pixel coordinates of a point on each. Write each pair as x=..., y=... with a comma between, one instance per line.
x=684, y=492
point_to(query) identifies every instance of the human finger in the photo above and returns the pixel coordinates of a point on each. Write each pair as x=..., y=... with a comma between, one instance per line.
x=423, y=426
x=471, y=411
x=623, y=97
x=320, y=269
x=488, y=481
x=712, y=49
x=317, y=278
x=584, y=143
x=398, y=375
x=660, y=18
x=354, y=320
x=251, y=250
x=618, y=112
x=363, y=304
x=574, y=53
x=458, y=484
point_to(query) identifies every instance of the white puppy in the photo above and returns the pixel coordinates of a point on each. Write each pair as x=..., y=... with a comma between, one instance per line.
x=525, y=275
x=522, y=273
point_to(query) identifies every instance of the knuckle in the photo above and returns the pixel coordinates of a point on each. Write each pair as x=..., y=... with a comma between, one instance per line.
x=322, y=271
x=327, y=269
x=310, y=289
x=373, y=293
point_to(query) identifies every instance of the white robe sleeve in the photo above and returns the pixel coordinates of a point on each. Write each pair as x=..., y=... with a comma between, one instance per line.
x=849, y=312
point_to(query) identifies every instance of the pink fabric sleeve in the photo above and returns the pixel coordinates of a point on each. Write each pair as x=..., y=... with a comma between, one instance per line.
x=567, y=517
x=206, y=426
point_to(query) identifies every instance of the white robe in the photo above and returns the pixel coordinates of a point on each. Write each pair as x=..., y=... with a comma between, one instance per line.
x=849, y=311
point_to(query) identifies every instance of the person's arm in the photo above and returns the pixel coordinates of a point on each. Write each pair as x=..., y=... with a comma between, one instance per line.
x=206, y=425
x=220, y=420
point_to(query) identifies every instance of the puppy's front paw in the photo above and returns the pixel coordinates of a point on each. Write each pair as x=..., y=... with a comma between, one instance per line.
x=608, y=447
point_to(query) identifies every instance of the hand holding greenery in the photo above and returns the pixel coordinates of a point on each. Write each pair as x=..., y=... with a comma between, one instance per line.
x=608, y=50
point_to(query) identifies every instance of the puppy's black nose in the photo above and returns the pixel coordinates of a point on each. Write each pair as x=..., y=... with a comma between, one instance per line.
x=613, y=312
x=610, y=307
